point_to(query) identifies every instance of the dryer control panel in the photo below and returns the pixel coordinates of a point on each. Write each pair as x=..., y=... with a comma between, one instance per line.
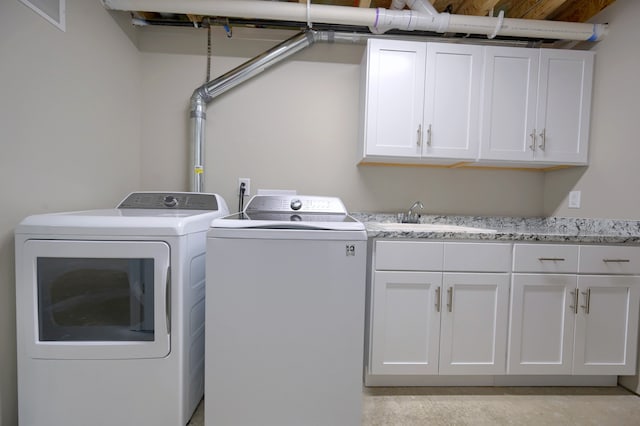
x=170, y=200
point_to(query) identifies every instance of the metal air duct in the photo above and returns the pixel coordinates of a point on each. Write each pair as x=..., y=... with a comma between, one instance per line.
x=208, y=91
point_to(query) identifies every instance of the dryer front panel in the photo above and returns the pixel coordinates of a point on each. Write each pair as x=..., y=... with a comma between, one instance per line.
x=95, y=299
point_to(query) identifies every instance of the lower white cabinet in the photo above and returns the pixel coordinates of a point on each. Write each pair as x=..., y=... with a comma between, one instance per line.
x=542, y=324
x=405, y=323
x=491, y=309
x=581, y=321
x=473, y=323
x=439, y=322
x=606, y=325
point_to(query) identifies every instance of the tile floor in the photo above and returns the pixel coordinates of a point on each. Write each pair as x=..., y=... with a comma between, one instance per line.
x=522, y=406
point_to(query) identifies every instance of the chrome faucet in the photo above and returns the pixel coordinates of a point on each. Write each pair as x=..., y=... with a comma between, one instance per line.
x=411, y=216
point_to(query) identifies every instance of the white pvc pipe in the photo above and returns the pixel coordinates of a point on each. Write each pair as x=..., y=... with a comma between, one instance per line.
x=378, y=20
x=275, y=10
x=527, y=28
x=422, y=6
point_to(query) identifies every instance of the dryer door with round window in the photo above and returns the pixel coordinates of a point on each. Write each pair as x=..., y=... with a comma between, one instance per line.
x=96, y=299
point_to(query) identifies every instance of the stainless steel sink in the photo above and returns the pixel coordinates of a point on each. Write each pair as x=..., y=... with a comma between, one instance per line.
x=431, y=227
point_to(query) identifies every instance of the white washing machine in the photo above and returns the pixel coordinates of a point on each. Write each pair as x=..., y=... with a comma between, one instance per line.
x=285, y=314
x=110, y=312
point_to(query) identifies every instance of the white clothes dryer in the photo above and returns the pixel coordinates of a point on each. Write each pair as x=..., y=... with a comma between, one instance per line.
x=110, y=311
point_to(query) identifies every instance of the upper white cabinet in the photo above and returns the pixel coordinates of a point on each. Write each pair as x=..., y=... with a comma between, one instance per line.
x=420, y=102
x=393, y=98
x=509, y=103
x=452, y=101
x=536, y=106
x=443, y=103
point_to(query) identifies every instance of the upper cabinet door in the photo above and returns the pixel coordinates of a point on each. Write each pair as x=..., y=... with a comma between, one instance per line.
x=452, y=101
x=509, y=103
x=564, y=105
x=394, y=93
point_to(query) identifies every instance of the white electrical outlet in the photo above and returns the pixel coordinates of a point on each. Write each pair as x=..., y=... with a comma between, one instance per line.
x=247, y=185
x=574, y=199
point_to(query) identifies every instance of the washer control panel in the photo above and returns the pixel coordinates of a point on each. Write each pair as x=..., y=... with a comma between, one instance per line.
x=170, y=200
x=295, y=203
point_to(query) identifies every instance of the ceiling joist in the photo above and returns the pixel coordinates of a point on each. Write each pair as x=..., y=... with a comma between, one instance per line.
x=552, y=10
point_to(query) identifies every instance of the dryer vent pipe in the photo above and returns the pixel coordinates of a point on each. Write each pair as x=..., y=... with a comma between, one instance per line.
x=421, y=16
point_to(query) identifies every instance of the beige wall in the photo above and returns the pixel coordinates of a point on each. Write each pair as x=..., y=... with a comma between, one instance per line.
x=86, y=117
x=70, y=120
x=295, y=127
x=609, y=184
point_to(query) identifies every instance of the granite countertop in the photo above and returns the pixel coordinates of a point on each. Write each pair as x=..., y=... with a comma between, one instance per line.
x=552, y=229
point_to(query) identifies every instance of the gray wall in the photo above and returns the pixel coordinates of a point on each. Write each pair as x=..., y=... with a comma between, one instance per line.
x=70, y=120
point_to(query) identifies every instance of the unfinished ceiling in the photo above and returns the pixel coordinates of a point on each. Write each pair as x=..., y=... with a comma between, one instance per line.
x=552, y=10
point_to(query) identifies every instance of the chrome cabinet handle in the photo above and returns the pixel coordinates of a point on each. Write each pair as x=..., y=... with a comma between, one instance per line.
x=437, y=299
x=587, y=301
x=551, y=259
x=167, y=299
x=429, y=135
x=543, y=136
x=575, y=296
x=450, y=299
x=419, y=141
x=616, y=260
x=532, y=147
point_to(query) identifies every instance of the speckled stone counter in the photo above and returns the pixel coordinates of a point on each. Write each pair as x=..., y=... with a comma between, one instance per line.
x=554, y=229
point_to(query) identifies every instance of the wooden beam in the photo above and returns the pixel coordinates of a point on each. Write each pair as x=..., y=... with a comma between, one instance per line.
x=146, y=15
x=196, y=19
x=441, y=5
x=477, y=7
x=534, y=9
x=580, y=10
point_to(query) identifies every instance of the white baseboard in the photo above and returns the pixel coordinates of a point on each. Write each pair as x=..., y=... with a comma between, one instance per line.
x=391, y=380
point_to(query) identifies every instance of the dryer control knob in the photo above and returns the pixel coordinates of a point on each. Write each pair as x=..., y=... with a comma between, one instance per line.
x=170, y=201
x=296, y=204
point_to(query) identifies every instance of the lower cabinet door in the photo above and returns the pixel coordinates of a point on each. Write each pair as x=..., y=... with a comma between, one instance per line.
x=607, y=325
x=542, y=323
x=405, y=324
x=474, y=317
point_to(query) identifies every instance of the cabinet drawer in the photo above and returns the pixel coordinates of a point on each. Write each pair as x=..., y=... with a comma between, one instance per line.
x=553, y=258
x=477, y=257
x=609, y=260
x=408, y=256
